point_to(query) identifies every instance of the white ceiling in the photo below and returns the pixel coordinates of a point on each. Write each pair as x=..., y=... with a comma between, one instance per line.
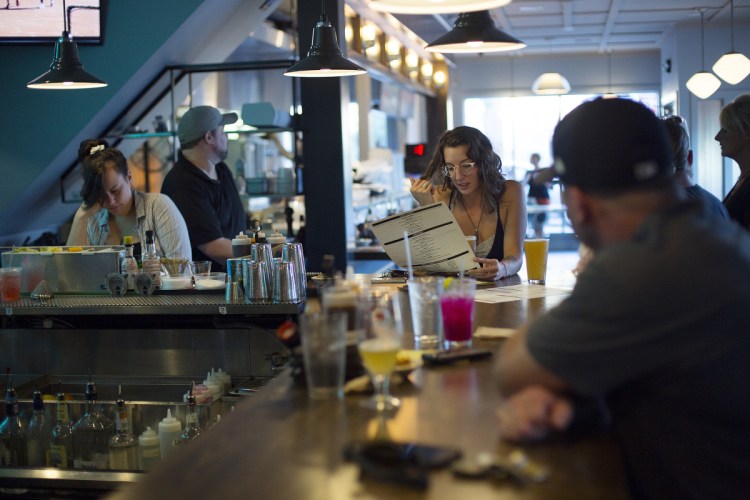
x=568, y=26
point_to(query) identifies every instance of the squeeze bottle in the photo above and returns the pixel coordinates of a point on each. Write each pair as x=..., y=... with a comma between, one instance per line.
x=169, y=432
x=150, y=451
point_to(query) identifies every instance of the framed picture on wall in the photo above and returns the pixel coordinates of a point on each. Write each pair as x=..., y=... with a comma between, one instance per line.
x=42, y=21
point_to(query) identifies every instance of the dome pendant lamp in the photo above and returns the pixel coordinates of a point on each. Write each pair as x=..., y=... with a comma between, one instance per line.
x=704, y=83
x=732, y=67
x=434, y=6
x=475, y=32
x=66, y=71
x=324, y=59
x=550, y=84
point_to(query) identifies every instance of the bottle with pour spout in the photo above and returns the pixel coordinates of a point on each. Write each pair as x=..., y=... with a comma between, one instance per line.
x=61, y=442
x=91, y=434
x=151, y=259
x=12, y=432
x=128, y=265
x=123, y=448
x=192, y=429
x=39, y=434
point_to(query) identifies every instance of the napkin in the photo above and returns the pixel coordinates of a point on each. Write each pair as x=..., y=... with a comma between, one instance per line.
x=486, y=332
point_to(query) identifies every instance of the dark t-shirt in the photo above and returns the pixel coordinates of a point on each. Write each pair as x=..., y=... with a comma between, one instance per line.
x=711, y=202
x=212, y=209
x=658, y=326
x=737, y=202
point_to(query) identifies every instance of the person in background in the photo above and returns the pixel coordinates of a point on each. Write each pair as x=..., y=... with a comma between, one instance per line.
x=538, y=195
x=202, y=186
x=679, y=139
x=484, y=203
x=734, y=138
x=112, y=209
x=664, y=355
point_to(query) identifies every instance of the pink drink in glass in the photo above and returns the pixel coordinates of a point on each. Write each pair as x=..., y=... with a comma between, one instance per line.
x=458, y=318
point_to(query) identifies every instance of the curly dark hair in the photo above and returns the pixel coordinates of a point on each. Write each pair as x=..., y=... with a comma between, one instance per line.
x=491, y=179
x=94, y=165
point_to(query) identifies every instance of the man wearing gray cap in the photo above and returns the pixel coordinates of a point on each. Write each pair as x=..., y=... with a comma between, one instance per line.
x=202, y=186
x=656, y=327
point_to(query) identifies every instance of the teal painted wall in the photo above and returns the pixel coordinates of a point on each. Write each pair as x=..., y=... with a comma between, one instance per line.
x=36, y=126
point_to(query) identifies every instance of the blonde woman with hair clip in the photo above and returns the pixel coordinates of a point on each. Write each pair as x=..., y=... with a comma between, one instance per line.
x=112, y=209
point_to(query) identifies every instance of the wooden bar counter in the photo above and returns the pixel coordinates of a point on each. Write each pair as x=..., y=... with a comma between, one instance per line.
x=279, y=444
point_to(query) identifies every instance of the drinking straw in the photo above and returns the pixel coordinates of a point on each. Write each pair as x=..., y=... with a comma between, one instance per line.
x=408, y=255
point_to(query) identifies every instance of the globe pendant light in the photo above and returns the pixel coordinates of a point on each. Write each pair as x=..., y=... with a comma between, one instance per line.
x=704, y=83
x=66, y=70
x=550, y=84
x=475, y=32
x=324, y=59
x=434, y=6
x=732, y=67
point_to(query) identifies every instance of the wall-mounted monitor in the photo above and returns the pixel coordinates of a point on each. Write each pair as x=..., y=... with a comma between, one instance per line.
x=42, y=21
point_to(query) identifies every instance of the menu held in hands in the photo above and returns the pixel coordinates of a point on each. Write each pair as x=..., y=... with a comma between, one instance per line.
x=436, y=242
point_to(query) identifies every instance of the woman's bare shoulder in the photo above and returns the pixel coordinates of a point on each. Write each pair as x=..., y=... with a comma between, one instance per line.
x=513, y=191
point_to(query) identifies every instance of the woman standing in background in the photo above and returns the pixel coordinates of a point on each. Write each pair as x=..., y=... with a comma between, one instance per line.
x=734, y=138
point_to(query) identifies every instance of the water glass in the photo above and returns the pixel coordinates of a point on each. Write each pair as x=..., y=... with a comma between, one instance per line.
x=200, y=267
x=324, y=351
x=426, y=316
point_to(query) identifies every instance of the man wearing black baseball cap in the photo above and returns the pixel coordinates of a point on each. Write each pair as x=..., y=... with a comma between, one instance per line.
x=202, y=186
x=656, y=327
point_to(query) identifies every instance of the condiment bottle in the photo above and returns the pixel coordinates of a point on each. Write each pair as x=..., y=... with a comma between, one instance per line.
x=128, y=265
x=276, y=238
x=169, y=432
x=148, y=446
x=216, y=388
x=123, y=448
x=226, y=379
x=39, y=434
x=241, y=245
x=151, y=259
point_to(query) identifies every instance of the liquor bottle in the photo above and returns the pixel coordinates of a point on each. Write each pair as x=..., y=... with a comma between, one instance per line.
x=123, y=448
x=192, y=429
x=39, y=434
x=61, y=437
x=128, y=265
x=12, y=432
x=91, y=435
x=151, y=259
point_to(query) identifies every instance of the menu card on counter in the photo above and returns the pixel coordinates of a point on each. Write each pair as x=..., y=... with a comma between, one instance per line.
x=436, y=241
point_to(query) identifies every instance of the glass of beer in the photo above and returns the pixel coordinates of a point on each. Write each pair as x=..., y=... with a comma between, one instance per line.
x=536, y=251
x=378, y=349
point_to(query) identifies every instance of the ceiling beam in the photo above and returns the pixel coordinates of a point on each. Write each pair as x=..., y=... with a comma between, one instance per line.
x=614, y=9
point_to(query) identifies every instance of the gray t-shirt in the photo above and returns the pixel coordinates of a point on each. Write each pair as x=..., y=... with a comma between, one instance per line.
x=659, y=326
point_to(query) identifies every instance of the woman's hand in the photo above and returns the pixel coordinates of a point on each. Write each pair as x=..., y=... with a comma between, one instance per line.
x=423, y=191
x=491, y=270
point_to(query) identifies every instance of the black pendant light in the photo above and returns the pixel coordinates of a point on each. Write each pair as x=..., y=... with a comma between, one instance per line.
x=324, y=59
x=475, y=32
x=66, y=70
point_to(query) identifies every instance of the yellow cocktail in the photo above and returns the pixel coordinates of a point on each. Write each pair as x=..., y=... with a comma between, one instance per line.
x=379, y=355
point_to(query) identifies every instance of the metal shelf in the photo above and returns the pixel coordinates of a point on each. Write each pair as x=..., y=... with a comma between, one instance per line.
x=183, y=304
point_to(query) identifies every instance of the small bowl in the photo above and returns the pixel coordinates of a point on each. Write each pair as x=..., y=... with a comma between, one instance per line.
x=211, y=281
x=176, y=282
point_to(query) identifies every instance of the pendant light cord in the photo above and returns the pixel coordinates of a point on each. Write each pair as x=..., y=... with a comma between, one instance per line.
x=703, y=46
x=731, y=21
x=65, y=18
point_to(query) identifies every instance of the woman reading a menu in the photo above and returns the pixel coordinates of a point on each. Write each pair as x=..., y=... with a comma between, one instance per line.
x=465, y=173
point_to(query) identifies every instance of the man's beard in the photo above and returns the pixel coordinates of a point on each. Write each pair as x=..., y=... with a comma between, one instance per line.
x=221, y=154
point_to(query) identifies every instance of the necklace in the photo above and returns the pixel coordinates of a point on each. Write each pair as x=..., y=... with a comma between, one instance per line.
x=476, y=228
